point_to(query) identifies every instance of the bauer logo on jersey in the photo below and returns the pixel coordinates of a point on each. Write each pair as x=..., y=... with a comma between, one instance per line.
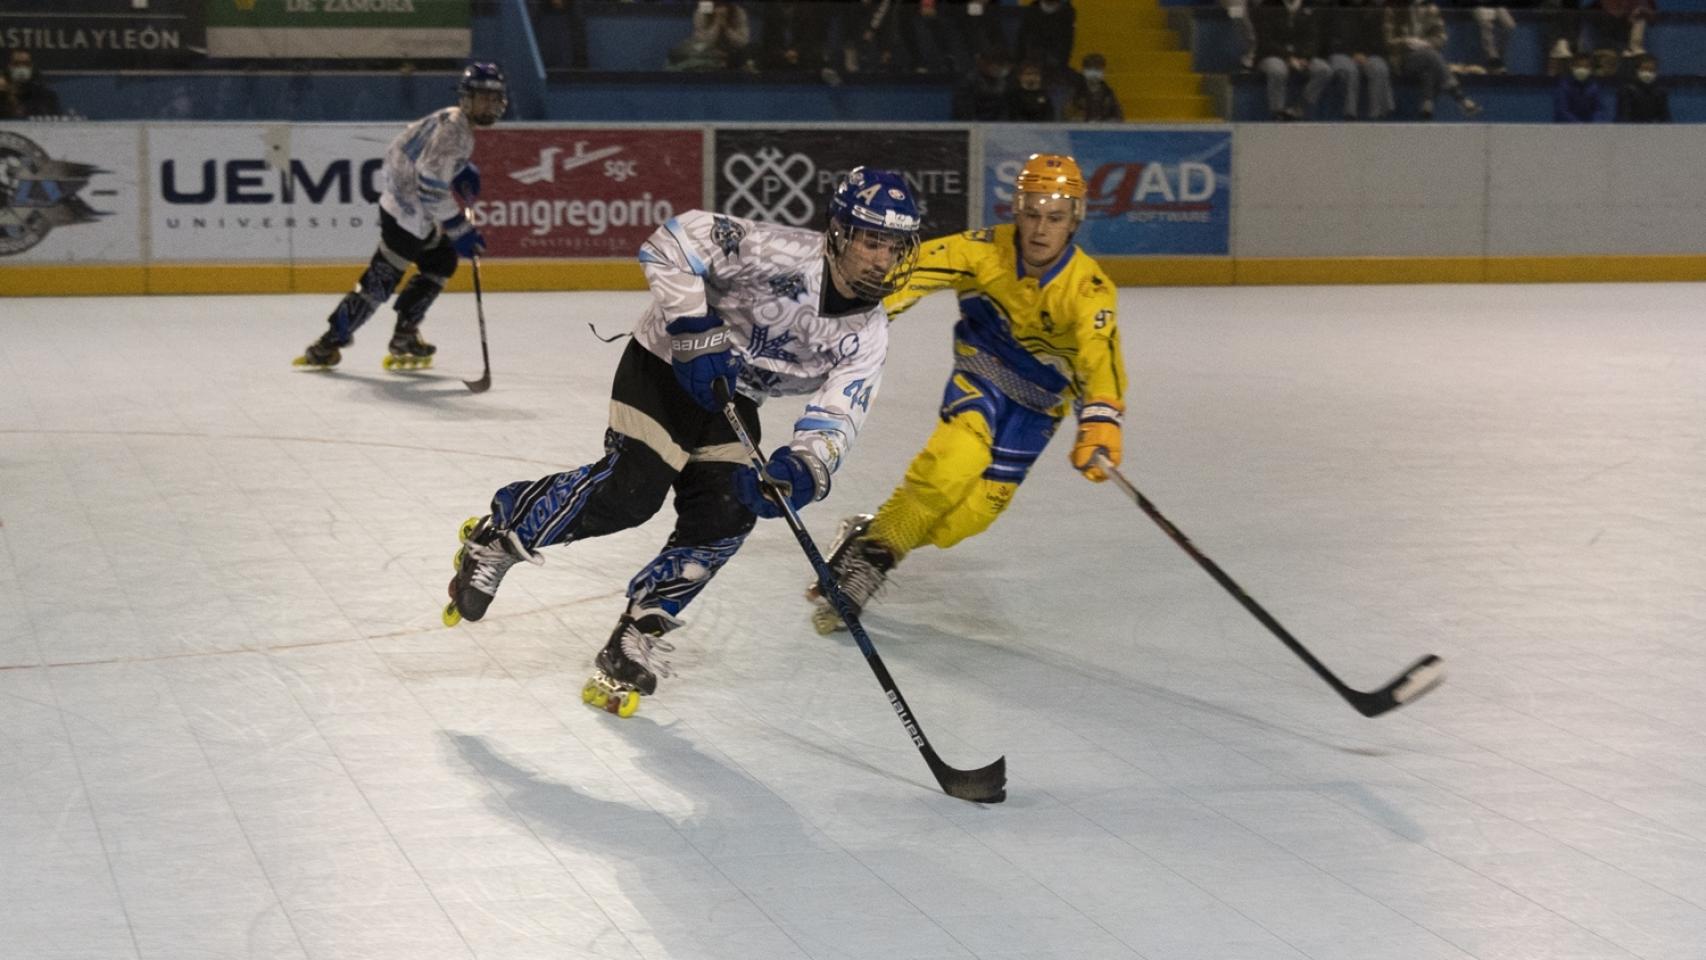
x=38, y=193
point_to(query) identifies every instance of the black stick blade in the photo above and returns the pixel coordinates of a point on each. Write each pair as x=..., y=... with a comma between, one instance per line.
x=1423, y=675
x=481, y=385
x=983, y=785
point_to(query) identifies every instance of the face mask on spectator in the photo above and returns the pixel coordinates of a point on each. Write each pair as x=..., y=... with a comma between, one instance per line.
x=1580, y=73
x=1093, y=75
x=1646, y=76
x=1049, y=6
x=21, y=74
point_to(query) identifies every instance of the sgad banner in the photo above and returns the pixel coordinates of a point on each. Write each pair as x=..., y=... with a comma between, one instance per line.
x=69, y=193
x=572, y=192
x=1150, y=191
x=786, y=175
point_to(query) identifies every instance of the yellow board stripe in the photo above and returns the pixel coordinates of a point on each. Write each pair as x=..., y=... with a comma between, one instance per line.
x=87, y=279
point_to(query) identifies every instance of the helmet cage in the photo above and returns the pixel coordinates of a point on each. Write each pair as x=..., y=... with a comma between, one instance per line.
x=483, y=78
x=904, y=244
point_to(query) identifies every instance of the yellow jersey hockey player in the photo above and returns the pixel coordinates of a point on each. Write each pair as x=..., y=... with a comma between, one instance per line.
x=1036, y=340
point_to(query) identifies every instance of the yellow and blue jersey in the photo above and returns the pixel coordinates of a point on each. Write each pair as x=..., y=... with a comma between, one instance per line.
x=1053, y=339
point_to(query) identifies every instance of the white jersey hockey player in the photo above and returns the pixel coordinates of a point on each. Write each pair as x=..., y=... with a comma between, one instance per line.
x=429, y=175
x=773, y=310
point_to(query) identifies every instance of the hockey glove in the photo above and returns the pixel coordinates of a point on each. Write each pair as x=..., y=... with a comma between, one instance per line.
x=1098, y=430
x=466, y=184
x=463, y=236
x=796, y=474
x=702, y=353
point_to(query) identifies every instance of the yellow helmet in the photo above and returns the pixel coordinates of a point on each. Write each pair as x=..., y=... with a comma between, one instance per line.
x=1053, y=175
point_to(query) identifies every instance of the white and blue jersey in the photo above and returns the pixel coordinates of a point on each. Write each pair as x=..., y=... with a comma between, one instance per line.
x=419, y=165
x=767, y=282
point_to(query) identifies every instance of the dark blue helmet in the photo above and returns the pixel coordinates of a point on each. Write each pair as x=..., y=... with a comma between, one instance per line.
x=874, y=205
x=483, y=77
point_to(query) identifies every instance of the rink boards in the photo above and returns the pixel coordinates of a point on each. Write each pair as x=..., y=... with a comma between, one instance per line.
x=184, y=208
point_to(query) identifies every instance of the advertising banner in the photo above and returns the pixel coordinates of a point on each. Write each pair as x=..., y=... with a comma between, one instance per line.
x=266, y=191
x=1150, y=191
x=101, y=34
x=69, y=193
x=583, y=192
x=787, y=175
x=319, y=29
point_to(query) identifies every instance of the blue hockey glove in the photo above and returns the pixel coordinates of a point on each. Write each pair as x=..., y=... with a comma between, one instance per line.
x=466, y=184
x=702, y=353
x=463, y=236
x=796, y=474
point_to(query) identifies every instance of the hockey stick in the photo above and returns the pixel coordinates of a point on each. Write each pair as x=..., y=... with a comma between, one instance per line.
x=1422, y=676
x=485, y=382
x=983, y=785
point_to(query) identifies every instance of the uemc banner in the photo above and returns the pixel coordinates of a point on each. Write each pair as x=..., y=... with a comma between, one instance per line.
x=69, y=193
x=265, y=192
x=94, y=34
x=787, y=175
x=583, y=192
x=405, y=29
x=1150, y=191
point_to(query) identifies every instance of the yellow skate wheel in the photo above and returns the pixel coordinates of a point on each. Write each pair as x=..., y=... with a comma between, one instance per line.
x=389, y=363
x=456, y=561
x=630, y=702
x=826, y=620
x=468, y=526
x=590, y=692
x=452, y=616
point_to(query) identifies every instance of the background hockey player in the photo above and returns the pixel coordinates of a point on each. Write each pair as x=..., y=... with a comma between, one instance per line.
x=1036, y=339
x=775, y=311
x=429, y=177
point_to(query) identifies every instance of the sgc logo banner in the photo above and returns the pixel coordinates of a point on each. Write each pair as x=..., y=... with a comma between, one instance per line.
x=787, y=175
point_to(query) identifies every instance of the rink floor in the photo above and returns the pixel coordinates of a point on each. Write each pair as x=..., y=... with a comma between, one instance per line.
x=232, y=725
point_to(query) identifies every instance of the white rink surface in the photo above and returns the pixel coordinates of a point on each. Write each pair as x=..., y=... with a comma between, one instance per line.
x=232, y=726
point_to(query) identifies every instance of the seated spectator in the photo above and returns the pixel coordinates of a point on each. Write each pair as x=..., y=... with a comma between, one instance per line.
x=1046, y=32
x=1356, y=35
x=1288, y=42
x=1093, y=101
x=795, y=32
x=1415, y=37
x=1496, y=25
x=982, y=95
x=1563, y=33
x=1028, y=100
x=10, y=109
x=1576, y=100
x=719, y=40
x=1623, y=24
x=1644, y=101
x=35, y=98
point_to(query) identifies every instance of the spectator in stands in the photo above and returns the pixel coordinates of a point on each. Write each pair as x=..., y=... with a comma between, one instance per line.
x=1643, y=100
x=795, y=33
x=1496, y=25
x=34, y=96
x=721, y=34
x=1623, y=23
x=982, y=95
x=869, y=35
x=1046, y=33
x=1356, y=37
x=1238, y=11
x=1028, y=101
x=1576, y=99
x=10, y=109
x=1563, y=34
x=1288, y=42
x=1415, y=39
x=1093, y=101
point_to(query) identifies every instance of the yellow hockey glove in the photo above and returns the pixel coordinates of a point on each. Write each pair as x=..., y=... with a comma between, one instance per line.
x=1098, y=429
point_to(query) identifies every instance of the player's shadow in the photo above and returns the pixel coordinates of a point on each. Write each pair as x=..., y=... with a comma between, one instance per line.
x=670, y=870
x=434, y=391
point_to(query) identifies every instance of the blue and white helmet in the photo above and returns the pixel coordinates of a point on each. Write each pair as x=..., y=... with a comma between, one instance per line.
x=874, y=205
x=483, y=77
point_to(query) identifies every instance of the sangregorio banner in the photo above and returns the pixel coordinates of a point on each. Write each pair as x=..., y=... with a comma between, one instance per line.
x=573, y=192
x=1150, y=191
x=69, y=194
x=786, y=175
